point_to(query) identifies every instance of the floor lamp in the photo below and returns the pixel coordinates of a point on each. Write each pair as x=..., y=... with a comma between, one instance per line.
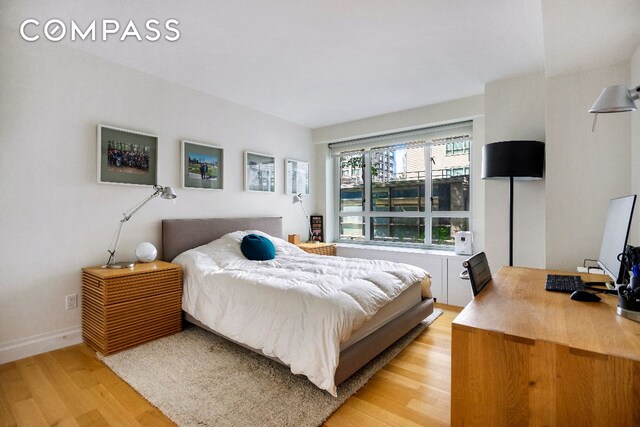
x=521, y=160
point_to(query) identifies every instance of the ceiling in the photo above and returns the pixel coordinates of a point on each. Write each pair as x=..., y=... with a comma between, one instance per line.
x=318, y=63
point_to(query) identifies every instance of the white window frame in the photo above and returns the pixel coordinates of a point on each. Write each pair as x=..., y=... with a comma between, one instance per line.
x=428, y=215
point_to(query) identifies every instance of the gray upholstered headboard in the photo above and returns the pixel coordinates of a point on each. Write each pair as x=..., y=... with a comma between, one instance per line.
x=179, y=235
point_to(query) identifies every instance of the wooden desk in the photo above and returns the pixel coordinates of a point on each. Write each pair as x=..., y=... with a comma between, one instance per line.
x=524, y=356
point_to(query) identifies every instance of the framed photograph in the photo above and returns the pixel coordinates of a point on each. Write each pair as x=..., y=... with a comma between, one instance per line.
x=297, y=174
x=259, y=172
x=202, y=166
x=127, y=156
x=317, y=228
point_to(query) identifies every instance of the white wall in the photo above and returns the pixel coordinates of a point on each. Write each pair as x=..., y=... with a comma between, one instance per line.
x=514, y=110
x=459, y=109
x=470, y=108
x=55, y=217
x=584, y=169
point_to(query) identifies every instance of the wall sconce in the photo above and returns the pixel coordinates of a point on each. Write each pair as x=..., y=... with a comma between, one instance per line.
x=615, y=99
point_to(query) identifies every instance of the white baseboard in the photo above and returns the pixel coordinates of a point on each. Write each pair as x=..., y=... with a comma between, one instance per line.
x=25, y=347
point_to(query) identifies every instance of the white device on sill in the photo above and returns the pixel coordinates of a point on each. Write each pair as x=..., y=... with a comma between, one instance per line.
x=463, y=243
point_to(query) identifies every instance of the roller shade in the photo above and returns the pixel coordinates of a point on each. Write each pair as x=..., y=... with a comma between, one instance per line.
x=414, y=138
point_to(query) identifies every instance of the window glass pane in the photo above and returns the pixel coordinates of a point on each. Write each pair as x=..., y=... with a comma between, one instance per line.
x=352, y=227
x=450, y=178
x=443, y=230
x=457, y=148
x=397, y=179
x=351, y=183
x=399, y=230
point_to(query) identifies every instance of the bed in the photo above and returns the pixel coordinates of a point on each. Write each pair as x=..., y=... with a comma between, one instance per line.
x=389, y=323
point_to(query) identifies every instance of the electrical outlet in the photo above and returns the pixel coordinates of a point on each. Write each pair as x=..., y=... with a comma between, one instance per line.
x=71, y=301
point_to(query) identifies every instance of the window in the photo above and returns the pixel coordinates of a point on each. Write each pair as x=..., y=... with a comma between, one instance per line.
x=405, y=189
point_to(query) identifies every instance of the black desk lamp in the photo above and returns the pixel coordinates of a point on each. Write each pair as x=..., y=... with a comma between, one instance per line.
x=522, y=160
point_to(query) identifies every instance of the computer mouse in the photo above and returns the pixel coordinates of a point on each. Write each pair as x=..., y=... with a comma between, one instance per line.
x=584, y=296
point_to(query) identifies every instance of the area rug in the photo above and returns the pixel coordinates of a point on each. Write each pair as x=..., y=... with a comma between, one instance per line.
x=197, y=378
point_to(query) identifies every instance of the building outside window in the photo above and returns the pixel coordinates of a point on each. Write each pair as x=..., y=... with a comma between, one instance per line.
x=457, y=148
x=405, y=189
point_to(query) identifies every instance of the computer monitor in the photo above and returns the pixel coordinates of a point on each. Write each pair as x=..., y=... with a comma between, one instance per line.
x=614, y=239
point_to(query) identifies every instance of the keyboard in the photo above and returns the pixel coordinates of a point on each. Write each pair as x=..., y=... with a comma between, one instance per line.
x=563, y=283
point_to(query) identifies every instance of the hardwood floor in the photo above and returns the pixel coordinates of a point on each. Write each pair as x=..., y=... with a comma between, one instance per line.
x=411, y=390
x=71, y=387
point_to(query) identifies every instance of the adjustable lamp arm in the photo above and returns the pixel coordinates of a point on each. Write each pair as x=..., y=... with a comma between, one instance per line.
x=298, y=198
x=166, y=193
x=129, y=213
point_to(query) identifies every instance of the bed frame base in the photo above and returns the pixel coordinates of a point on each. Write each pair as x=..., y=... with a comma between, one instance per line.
x=361, y=352
x=179, y=235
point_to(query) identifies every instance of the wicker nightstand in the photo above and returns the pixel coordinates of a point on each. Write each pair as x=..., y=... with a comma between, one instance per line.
x=126, y=307
x=318, y=248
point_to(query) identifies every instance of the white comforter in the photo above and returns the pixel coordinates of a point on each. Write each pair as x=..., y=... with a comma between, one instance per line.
x=297, y=307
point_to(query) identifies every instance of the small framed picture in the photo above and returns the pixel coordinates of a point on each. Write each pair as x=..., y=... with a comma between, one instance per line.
x=202, y=166
x=127, y=156
x=297, y=177
x=317, y=228
x=259, y=172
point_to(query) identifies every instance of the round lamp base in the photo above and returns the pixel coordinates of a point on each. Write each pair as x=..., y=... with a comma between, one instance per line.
x=123, y=264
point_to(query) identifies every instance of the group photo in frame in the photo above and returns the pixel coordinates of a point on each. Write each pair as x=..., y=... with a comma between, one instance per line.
x=202, y=166
x=297, y=177
x=259, y=172
x=127, y=156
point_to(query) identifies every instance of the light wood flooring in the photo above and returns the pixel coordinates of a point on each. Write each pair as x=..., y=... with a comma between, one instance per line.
x=70, y=387
x=414, y=389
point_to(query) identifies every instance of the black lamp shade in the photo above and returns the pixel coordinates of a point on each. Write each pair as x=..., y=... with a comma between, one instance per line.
x=513, y=159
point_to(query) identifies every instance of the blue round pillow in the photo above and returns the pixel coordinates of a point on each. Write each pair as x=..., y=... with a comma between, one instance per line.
x=257, y=248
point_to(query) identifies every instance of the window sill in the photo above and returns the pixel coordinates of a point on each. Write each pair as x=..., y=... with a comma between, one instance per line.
x=400, y=249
